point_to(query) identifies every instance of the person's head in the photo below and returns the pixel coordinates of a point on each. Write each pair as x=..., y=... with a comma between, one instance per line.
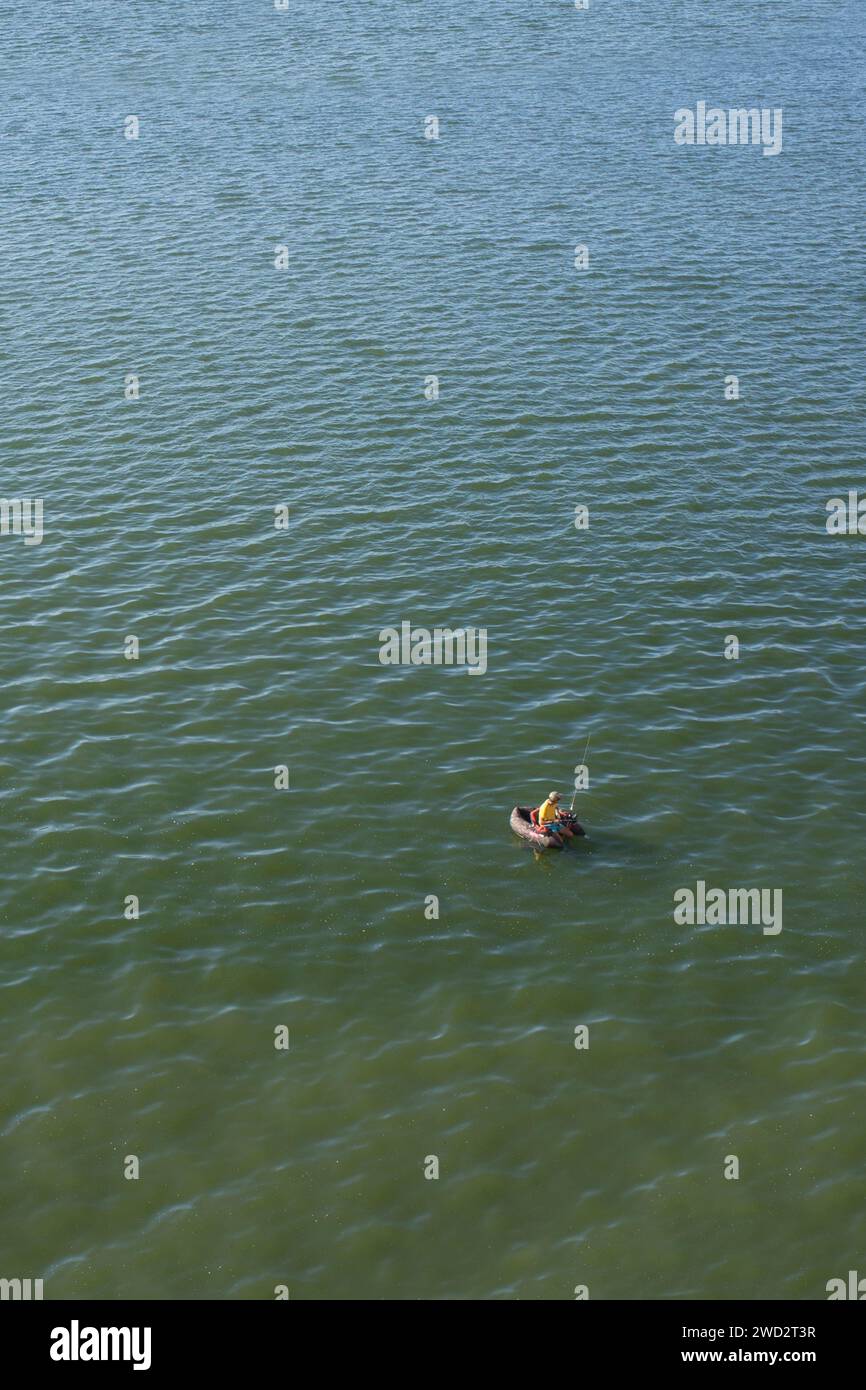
x=553, y=798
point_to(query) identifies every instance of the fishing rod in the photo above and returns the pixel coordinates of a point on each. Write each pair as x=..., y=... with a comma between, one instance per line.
x=585, y=751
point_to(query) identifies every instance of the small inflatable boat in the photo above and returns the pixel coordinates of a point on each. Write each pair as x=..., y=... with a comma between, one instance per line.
x=521, y=824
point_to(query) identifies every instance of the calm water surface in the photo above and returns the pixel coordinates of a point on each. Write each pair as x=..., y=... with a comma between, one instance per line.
x=305, y=908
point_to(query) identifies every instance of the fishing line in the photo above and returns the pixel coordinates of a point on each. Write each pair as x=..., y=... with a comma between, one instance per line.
x=585, y=751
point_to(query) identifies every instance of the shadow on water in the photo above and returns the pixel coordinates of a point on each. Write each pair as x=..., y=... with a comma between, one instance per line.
x=608, y=849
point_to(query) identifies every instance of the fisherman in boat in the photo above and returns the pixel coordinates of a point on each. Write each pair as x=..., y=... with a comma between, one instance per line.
x=551, y=821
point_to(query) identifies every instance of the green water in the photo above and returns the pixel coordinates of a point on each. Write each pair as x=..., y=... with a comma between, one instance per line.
x=411, y=1035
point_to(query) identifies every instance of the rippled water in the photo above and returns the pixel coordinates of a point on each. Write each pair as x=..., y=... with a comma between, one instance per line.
x=412, y=1037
